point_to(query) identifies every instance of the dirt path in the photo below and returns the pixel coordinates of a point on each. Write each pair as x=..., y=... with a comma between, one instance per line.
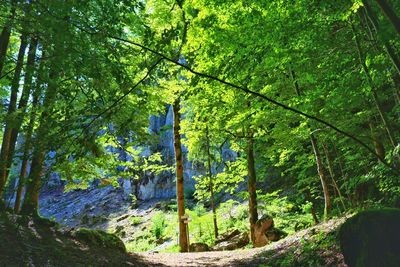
x=250, y=257
x=217, y=258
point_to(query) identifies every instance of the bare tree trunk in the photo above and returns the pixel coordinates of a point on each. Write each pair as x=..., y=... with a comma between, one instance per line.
x=375, y=97
x=379, y=148
x=26, y=91
x=308, y=195
x=252, y=187
x=183, y=234
x=5, y=37
x=6, y=148
x=212, y=199
x=22, y=176
x=369, y=14
x=389, y=13
x=322, y=177
x=27, y=144
x=332, y=174
x=31, y=200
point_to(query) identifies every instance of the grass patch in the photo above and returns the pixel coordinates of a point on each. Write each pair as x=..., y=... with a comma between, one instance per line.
x=135, y=220
x=100, y=238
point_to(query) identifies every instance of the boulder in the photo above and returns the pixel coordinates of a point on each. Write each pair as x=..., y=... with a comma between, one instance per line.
x=198, y=247
x=260, y=229
x=226, y=236
x=371, y=238
x=275, y=234
x=235, y=242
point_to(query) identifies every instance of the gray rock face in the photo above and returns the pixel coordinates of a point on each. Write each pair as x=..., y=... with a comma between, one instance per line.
x=94, y=201
x=163, y=185
x=89, y=207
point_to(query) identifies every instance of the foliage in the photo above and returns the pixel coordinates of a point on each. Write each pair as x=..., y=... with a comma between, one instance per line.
x=201, y=225
x=234, y=216
x=135, y=220
x=287, y=215
x=243, y=70
x=158, y=225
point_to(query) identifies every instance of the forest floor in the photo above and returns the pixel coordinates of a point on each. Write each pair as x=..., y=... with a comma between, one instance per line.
x=315, y=246
x=37, y=242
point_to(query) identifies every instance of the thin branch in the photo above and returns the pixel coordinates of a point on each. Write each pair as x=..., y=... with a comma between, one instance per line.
x=7, y=73
x=268, y=99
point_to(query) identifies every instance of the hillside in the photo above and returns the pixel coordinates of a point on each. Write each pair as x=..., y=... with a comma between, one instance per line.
x=38, y=242
x=27, y=241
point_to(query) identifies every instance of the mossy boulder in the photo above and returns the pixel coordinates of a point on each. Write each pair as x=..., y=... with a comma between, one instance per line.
x=372, y=238
x=100, y=238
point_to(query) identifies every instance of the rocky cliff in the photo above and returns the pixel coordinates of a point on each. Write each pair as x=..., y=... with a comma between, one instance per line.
x=99, y=203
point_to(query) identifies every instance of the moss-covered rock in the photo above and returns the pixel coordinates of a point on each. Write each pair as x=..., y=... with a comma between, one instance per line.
x=372, y=238
x=100, y=238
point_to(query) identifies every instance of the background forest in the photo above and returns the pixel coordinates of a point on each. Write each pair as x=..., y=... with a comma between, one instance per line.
x=304, y=94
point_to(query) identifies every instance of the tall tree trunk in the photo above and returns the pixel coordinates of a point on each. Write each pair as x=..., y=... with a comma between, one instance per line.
x=26, y=91
x=180, y=196
x=369, y=14
x=321, y=172
x=390, y=14
x=251, y=185
x=332, y=174
x=212, y=199
x=312, y=210
x=6, y=149
x=31, y=200
x=5, y=37
x=375, y=96
x=27, y=144
x=22, y=174
x=308, y=195
x=379, y=148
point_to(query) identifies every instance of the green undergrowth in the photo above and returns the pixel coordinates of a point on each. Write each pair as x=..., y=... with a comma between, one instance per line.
x=321, y=249
x=100, y=238
x=231, y=215
x=31, y=241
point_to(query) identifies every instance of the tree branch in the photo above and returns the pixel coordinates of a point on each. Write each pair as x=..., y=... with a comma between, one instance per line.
x=268, y=99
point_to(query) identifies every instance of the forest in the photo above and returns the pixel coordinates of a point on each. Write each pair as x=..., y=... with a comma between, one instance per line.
x=134, y=130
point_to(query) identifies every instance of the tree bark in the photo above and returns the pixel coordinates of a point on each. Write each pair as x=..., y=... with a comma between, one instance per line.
x=375, y=96
x=251, y=185
x=27, y=144
x=369, y=14
x=41, y=143
x=379, y=148
x=183, y=233
x=212, y=199
x=31, y=200
x=390, y=14
x=332, y=174
x=5, y=38
x=26, y=91
x=327, y=199
x=6, y=148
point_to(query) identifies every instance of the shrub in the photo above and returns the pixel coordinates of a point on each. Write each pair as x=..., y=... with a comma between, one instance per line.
x=135, y=220
x=158, y=225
